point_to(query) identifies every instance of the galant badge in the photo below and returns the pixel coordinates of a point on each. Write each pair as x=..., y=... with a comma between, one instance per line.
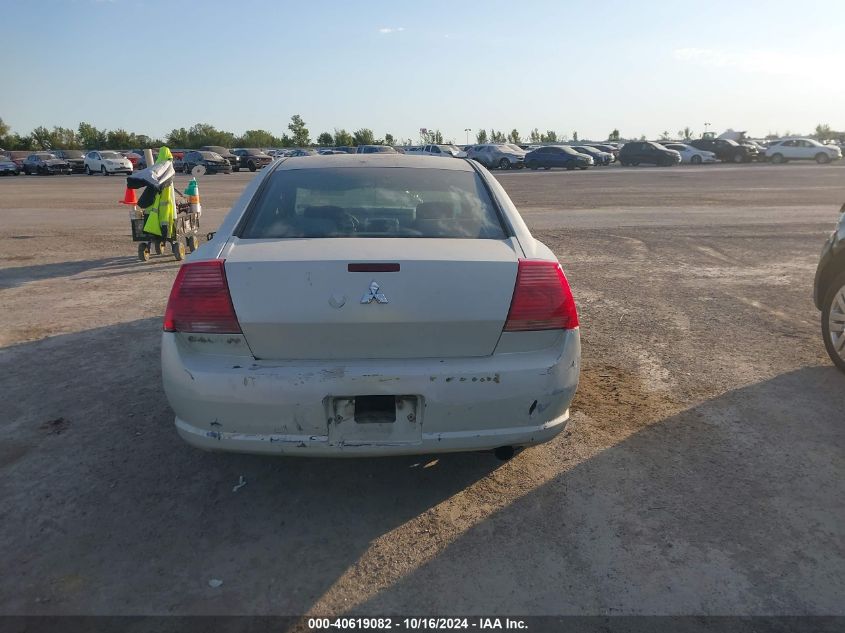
x=372, y=294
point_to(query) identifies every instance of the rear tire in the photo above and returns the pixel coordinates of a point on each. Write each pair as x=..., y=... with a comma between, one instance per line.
x=533, y=164
x=88, y=171
x=739, y=157
x=103, y=170
x=822, y=158
x=504, y=164
x=834, y=325
x=252, y=166
x=777, y=159
x=695, y=160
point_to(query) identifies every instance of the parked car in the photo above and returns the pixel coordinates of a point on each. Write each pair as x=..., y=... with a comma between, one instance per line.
x=501, y=155
x=226, y=153
x=599, y=157
x=133, y=158
x=447, y=151
x=299, y=152
x=213, y=162
x=759, y=147
x=726, y=150
x=18, y=157
x=8, y=167
x=829, y=292
x=348, y=344
x=648, y=152
x=107, y=163
x=690, y=154
x=612, y=149
x=251, y=158
x=74, y=157
x=45, y=163
x=802, y=149
x=375, y=149
x=549, y=156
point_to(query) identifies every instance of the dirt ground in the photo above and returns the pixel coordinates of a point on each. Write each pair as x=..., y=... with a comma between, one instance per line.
x=702, y=472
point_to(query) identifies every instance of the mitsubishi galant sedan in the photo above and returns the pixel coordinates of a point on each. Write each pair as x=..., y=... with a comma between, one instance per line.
x=376, y=304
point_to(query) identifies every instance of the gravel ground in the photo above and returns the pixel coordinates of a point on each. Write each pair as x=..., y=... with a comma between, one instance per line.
x=701, y=472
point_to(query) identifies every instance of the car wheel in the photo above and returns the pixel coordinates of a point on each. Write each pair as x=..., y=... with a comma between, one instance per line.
x=532, y=164
x=88, y=170
x=822, y=158
x=25, y=170
x=695, y=160
x=103, y=170
x=833, y=321
x=251, y=166
x=504, y=164
x=739, y=157
x=777, y=159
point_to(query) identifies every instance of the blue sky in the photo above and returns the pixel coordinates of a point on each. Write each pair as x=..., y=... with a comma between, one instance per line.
x=396, y=66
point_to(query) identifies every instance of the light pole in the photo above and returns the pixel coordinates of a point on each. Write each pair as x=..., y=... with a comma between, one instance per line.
x=706, y=125
x=467, y=130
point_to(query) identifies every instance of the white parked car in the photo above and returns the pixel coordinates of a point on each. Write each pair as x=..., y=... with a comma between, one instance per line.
x=443, y=151
x=691, y=155
x=374, y=304
x=802, y=149
x=107, y=163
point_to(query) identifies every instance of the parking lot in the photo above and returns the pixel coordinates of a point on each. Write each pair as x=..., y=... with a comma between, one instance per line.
x=702, y=471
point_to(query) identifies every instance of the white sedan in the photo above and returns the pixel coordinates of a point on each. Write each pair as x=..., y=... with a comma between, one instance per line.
x=802, y=149
x=107, y=163
x=374, y=304
x=691, y=155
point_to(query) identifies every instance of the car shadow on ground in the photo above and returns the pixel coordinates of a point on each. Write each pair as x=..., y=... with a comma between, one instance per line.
x=20, y=275
x=113, y=513
x=731, y=507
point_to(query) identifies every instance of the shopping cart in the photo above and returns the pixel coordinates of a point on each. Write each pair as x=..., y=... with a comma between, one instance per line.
x=185, y=240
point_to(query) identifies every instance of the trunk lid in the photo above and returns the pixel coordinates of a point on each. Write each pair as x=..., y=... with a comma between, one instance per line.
x=297, y=299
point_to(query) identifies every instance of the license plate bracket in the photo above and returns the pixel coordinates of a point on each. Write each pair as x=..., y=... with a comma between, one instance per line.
x=374, y=420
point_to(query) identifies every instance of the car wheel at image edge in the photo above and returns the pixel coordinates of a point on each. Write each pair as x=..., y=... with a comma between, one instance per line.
x=835, y=301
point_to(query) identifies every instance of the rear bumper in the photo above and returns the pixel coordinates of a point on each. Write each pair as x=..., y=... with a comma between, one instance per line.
x=233, y=403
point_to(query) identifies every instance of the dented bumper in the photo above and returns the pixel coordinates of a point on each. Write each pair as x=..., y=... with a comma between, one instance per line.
x=226, y=400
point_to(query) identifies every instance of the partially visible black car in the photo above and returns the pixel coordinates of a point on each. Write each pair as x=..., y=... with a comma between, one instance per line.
x=726, y=150
x=637, y=152
x=557, y=156
x=829, y=292
x=214, y=163
x=74, y=157
x=45, y=163
x=225, y=152
x=251, y=158
x=607, y=148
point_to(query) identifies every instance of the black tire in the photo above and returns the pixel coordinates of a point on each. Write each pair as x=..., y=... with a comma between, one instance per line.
x=634, y=163
x=532, y=164
x=583, y=167
x=25, y=170
x=569, y=167
x=103, y=170
x=179, y=250
x=158, y=246
x=739, y=157
x=144, y=251
x=624, y=163
x=236, y=168
x=504, y=164
x=251, y=166
x=822, y=158
x=193, y=243
x=836, y=288
x=777, y=159
x=695, y=160
x=88, y=170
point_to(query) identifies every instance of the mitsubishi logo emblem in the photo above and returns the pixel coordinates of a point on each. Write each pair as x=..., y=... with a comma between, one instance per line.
x=373, y=294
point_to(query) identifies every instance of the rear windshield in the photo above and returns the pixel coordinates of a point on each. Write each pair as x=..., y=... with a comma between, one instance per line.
x=373, y=202
x=72, y=153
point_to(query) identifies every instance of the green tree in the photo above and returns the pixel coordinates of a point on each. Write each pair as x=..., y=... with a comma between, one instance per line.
x=299, y=133
x=823, y=132
x=686, y=133
x=549, y=137
x=90, y=137
x=534, y=136
x=325, y=139
x=575, y=136
x=497, y=137
x=614, y=135
x=665, y=136
x=389, y=140
x=364, y=136
x=257, y=138
x=342, y=138
x=513, y=137
x=481, y=136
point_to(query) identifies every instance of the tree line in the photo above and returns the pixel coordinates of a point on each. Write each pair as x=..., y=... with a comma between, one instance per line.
x=87, y=136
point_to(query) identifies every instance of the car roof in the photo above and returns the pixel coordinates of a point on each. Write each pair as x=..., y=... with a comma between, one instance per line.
x=413, y=161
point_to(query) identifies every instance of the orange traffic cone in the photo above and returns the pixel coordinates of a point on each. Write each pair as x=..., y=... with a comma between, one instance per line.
x=130, y=197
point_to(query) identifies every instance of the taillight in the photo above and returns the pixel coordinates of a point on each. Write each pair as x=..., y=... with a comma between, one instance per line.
x=542, y=299
x=200, y=301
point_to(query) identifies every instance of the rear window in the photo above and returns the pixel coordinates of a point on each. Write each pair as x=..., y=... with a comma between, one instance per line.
x=373, y=202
